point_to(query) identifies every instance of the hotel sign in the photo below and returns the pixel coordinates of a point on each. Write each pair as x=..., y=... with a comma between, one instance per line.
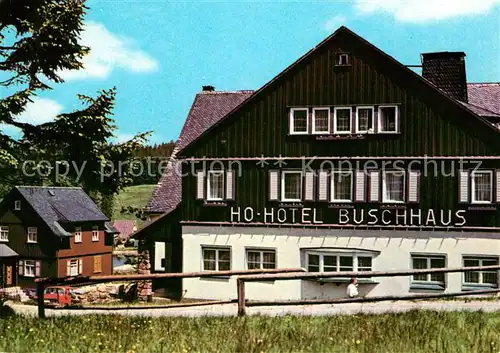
x=344, y=216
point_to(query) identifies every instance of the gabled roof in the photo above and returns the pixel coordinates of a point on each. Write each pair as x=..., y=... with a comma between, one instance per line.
x=485, y=96
x=56, y=205
x=5, y=251
x=207, y=109
x=344, y=30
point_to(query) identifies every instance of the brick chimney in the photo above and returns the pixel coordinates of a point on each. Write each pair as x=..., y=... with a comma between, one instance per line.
x=446, y=70
x=208, y=88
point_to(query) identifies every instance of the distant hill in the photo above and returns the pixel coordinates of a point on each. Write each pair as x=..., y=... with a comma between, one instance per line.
x=136, y=196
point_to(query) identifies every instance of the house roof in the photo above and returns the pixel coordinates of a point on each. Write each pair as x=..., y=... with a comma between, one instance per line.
x=5, y=251
x=125, y=227
x=56, y=205
x=486, y=96
x=210, y=108
x=207, y=109
x=108, y=228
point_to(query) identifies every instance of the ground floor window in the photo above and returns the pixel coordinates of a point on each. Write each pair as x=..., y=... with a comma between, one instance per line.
x=421, y=262
x=487, y=278
x=74, y=267
x=216, y=259
x=261, y=259
x=324, y=262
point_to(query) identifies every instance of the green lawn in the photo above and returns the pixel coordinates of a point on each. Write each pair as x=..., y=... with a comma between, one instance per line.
x=135, y=196
x=417, y=331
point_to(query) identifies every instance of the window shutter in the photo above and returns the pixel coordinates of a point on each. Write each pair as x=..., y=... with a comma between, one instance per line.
x=230, y=185
x=413, y=186
x=498, y=185
x=68, y=268
x=80, y=266
x=309, y=187
x=200, y=183
x=374, y=186
x=463, y=191
x=37, y=268
x=360, y=186
x=323, y=186
x=273, y=185
x=20, y=269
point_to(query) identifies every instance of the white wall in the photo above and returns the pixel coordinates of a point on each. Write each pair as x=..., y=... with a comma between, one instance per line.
x=395, y=249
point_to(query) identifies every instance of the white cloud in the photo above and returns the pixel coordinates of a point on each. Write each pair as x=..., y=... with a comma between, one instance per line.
x=335, y=22
x=42, y=110
x=418, y=11
x=109, y=51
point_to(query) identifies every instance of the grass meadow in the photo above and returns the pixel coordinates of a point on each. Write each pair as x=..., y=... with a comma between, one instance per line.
x=135, y=196
x=417, y=331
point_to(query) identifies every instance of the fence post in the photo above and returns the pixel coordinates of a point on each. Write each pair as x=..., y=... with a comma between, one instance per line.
x=40, y=294
x=240, y=286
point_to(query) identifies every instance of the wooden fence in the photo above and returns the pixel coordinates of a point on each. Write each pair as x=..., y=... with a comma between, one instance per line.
x=284, y=274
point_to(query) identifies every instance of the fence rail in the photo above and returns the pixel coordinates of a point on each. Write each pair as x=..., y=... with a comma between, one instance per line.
x=276, y=274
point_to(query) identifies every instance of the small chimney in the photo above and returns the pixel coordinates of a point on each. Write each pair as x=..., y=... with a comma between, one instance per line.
x=446, y=70
x=208, y=88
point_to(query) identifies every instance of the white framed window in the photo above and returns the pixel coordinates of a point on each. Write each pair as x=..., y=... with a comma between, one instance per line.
x=95, y=233
x=424, y=262
x=364, y=120
x=216, y=259
x=29, y=268
x=32, y=234
x=17, y=205
x=260, y=259
x=393, y=186
x=338, y=262
x=78, y=234
x=321, y=121
x=299, y=121
x=487, y=278
x=482, y=186
x=342, y=186
x=4, y=233
x=215, y=185
x=388, y=118
x=291, y=186
x=342, y=120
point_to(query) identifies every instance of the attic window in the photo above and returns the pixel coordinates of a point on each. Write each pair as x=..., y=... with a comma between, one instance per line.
x=17, y=205
x=342, y=59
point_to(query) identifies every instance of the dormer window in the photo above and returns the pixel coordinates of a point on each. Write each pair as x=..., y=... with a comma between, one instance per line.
x=299, y=121
x=343, y=59
x=342, y=120
x=17, y=205
x=388, y=119
x=364, y=120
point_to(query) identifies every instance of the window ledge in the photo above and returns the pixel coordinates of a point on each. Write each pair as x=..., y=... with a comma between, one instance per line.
x=32, y=242
x=345, y=65
x=214, y=204
x=4, y=240
x=343, y=280
x=473, y=287
x=341, y=137
x=225, y=278
x=287, y=204
x=341, y=205
x=428, y=287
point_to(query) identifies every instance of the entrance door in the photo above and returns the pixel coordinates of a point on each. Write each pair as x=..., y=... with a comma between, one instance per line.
x=8, y=274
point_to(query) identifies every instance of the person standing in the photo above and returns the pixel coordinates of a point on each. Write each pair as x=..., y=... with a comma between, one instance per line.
x=352, y=288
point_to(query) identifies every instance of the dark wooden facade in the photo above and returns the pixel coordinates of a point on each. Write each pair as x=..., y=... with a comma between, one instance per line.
x=432, y=124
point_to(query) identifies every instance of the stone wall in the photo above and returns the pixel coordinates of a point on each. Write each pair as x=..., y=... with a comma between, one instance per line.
x=144, y=288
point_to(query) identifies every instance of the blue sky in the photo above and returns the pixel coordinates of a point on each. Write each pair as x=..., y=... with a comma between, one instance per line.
x=158, y=54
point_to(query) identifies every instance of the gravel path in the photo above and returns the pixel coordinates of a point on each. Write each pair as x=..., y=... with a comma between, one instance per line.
x=317, y=310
